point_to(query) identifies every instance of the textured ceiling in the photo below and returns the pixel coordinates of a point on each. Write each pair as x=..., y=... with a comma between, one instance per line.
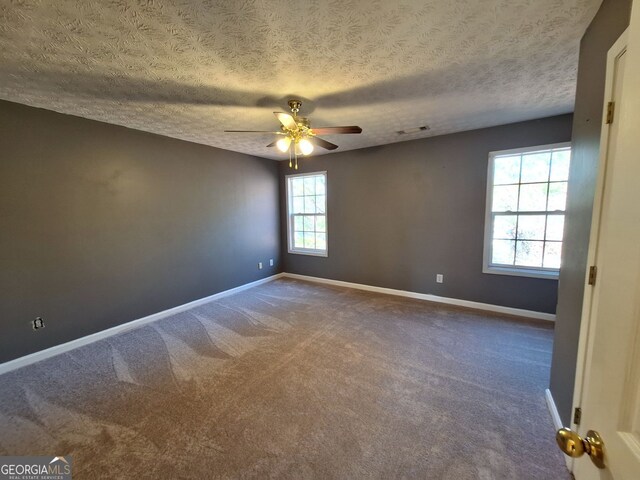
x=190, y=69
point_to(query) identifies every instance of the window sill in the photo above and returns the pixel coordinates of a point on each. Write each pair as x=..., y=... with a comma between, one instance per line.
x=312, y=253
x=522, y=272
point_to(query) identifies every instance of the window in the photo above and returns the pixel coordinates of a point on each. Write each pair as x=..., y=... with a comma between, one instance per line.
x=307, y=213
x=526, y=197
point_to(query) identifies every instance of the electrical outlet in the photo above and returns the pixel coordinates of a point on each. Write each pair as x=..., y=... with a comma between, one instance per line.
x=439, y=278
x=259, y=265
x=38, y=323
x=271, y=262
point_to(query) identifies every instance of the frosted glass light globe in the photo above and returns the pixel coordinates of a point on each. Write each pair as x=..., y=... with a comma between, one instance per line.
x=283, y=144
x=306, y=147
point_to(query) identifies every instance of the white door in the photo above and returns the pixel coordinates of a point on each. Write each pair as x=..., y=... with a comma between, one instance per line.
x=609, y=393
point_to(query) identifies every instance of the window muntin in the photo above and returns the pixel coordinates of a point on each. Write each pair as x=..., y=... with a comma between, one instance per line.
x=307, y=213
x=526, y=200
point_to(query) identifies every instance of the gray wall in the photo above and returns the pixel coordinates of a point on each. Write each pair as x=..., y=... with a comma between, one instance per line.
x=398, y=214
x=609, y=23
x=101, y=225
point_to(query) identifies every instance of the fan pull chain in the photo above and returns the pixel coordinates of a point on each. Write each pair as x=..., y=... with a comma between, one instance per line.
x=290, y=158
x=296, y=154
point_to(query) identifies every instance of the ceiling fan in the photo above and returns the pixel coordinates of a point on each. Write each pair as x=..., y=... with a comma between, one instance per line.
x=298, y=138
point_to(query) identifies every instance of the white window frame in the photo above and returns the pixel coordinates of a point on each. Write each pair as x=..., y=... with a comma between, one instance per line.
x=487, y=267
x=290, y=229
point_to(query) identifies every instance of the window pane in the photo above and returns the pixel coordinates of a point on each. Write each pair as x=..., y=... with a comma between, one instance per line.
x=309, y=186
x=560, y=165
x=297, y=223
x=552, y=254
x=320, y=185
x=321, y=241
x=308, y=224
x=504, y=226
x=506, y=170
x=533, y=197
x=531, y=227
x=298, y=240
x=529, y=254
x=502, y=252
x=557, y=196
x=298, y=205
x=297, y=186
x=505, y=198
x=535, y=167
x=321, y=223
x=309, y=204
x=320, y=202
x=309, y=240
x=555, y=226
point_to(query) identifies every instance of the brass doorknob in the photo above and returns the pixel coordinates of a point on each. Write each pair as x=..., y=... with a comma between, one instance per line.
x=575, y=446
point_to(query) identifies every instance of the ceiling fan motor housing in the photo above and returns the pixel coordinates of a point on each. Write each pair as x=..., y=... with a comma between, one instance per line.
x=303, y=122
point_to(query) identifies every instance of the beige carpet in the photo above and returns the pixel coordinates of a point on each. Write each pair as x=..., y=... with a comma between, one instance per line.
x=291, y=380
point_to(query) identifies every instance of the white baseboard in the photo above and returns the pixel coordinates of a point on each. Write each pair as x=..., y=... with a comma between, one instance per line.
x=430, y=298
x=557, y=422
x=551, y=405
x=79, y=342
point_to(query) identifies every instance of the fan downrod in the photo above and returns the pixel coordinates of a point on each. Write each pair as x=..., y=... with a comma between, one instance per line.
x=295, y=105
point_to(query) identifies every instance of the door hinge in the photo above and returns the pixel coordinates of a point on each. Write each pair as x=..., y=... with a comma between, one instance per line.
x=593, y=273
x=611, y=106
x=577, y=415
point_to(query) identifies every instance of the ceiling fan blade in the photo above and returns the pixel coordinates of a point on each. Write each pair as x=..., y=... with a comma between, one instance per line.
x=336, y=130
x=323, y=143
x=287, y=120
x=272, y=144
x=252, y=131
